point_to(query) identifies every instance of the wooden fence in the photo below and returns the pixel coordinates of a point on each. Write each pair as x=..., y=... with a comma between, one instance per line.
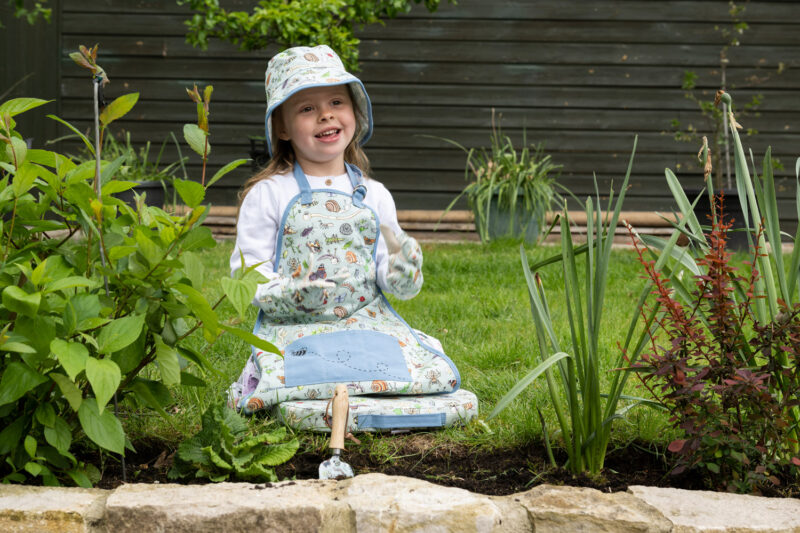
x=583, y=77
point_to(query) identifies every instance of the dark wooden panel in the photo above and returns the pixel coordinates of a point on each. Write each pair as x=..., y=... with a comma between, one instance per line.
x=30, y=68
x=455, y=117
x=163, y=24
x=682, y=55
x=172, y=48
x=642, y=10
x=443, y=95
x=687, y=10
x=574, y=31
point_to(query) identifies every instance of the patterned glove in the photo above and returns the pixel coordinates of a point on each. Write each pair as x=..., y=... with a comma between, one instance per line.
x=404, y=275
x=286, y=295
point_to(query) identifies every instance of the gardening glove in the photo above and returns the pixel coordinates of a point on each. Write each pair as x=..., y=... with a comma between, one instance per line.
x=404, y=275
x=284, y=296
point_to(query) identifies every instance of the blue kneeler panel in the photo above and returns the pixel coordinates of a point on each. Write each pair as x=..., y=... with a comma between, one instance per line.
x=344, y=357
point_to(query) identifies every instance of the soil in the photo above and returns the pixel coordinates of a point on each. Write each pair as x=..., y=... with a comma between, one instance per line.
x=491, y=472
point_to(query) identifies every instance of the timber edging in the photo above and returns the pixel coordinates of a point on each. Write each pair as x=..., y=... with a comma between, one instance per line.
x=459, y=226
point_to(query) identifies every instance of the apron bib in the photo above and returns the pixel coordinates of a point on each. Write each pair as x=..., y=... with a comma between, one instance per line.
x=355, y=337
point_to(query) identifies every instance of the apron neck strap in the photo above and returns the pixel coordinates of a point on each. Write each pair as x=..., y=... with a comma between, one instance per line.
x=353, y=172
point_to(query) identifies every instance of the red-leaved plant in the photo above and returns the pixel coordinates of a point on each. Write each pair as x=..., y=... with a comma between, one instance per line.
x=717, y=371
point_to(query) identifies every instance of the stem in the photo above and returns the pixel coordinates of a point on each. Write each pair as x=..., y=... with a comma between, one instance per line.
x=205, y=160
x=10, y=230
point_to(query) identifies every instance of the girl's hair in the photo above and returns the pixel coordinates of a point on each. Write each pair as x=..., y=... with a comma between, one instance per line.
x=283, y=155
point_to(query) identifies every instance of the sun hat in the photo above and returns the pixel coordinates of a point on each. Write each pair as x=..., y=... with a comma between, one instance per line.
x=304, y=67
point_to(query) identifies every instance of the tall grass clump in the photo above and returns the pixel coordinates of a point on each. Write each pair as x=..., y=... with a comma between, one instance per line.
x=584, y=413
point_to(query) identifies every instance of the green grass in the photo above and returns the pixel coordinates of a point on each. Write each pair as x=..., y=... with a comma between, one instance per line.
x=475, y=301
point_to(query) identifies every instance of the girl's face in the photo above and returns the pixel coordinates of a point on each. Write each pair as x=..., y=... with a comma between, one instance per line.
x=319, y=123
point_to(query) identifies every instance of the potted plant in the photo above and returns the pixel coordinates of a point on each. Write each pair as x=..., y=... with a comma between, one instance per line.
x=509, y=190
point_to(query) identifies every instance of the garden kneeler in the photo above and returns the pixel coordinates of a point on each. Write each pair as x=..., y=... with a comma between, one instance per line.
x=335, y=468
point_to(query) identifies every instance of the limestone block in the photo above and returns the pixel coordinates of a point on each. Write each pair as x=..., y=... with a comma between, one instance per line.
x=556, y=509
x=694, y=511
x=230, y=507
x=51, y=509
x=405, y=505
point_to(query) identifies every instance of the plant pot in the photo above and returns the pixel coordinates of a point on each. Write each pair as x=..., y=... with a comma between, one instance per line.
x=501, y=225
x=737, y=237
x=153, y=191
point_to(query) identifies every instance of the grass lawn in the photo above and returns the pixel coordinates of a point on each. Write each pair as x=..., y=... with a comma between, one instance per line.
x=475, y=301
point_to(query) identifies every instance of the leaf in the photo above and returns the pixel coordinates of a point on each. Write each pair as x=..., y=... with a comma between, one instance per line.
x=119, y=333
x=17, y=152
x=240, y=292
x=77, y=132
x=194, y=269
x=196, y=139
x=24, y=179
x=199, y=237
x=69, y=282
x=115, y=186
x=190, y=380
x=276, y=454
x=200, y=307
x=118, y=252
x=225, y=170
x=19, y=301
x=677, y=445
x=525, y=381
x=215, y=459
x=30, y=446
x=71, y=355
x=104, y=429
x=80, y=478
x=59, y=436
x=168, y=362
x=250, y=338
x=15, y=106
x=68, y=389
x=191, y=192
x=11, y=435
x=105, y=377
x=152, y=393
x=18, y=378
x=45, y=414
x=118, y=108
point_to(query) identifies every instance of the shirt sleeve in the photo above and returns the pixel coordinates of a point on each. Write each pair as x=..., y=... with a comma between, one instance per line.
x=387, y=214
x=257, y=231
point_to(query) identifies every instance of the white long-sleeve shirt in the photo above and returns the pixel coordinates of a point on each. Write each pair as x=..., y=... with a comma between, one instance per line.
x=260, y=217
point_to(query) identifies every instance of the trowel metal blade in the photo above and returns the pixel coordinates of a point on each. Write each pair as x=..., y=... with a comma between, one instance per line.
x=335, y=468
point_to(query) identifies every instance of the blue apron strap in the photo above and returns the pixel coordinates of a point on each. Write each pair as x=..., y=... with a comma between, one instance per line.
x=302, y=183
x=356, y=180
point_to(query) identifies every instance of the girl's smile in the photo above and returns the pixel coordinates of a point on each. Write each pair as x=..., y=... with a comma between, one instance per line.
x=320, y=123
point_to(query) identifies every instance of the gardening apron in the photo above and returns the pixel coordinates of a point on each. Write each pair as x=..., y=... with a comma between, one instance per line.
x=356, y=337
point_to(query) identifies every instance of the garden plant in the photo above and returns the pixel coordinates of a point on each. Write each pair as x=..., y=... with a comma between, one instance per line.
x=585, y=412
x=510, y=191
x=725, y=360
x=98, y=299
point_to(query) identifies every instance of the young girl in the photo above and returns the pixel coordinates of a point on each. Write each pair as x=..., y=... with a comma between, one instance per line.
x=327, y=239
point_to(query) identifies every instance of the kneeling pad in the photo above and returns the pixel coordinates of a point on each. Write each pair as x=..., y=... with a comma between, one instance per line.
x=379, y=413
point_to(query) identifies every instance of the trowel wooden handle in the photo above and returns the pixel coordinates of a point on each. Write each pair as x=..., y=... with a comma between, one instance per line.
x=341, y=404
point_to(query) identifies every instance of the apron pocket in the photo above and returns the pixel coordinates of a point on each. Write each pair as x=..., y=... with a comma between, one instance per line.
x=344, y=357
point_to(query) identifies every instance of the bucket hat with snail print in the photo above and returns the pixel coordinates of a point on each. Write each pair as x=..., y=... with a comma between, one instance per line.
x=304, y=67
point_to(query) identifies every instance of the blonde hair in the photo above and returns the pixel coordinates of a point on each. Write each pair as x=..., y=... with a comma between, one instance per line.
x=283, y=156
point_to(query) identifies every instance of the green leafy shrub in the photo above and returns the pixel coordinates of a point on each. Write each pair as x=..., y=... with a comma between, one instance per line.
x=97, y=301
x=225, y=448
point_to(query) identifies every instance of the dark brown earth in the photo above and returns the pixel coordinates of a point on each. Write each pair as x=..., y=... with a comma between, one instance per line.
x=492, y=472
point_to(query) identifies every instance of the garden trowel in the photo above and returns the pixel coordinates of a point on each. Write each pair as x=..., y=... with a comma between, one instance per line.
x=335, y=468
